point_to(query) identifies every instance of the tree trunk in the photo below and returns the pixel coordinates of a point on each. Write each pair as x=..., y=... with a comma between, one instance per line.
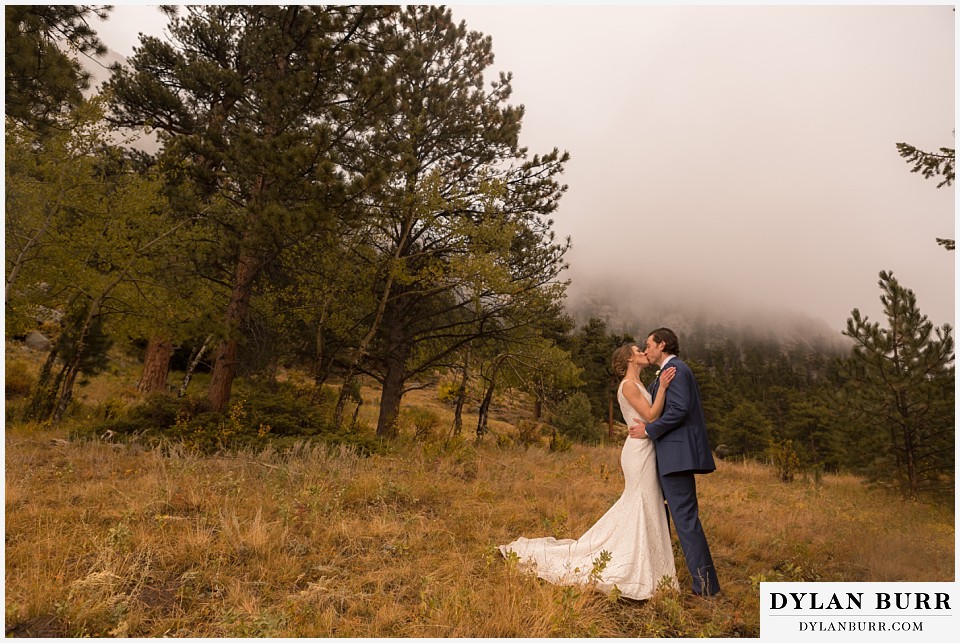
x=356, y=413
x=458, y=412
x=390, y=400
x=377, y=318
x=68, y=375
x=156, y=365
x=319, y=376
x=45, y=391
x=610, y=420
x=192, y=366
x=537, y=409
x=484, y=411
x=461, y=395
x=225, y=358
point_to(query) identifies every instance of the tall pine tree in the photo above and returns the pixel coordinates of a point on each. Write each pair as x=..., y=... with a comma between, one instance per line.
x=269, y=108
x=456, y=180
x=900, y=379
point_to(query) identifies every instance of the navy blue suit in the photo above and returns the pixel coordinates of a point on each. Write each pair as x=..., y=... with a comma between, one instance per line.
x=680, y=439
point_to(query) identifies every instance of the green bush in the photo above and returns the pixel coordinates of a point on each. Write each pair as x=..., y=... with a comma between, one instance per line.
x=447, y=391
x=574, y=420
x=504, y=441
x=254, y=418
x=284, y=411
x=785, y=459
x=528, y=433
x=19, y=382
x=559, y=443
x=423, y=422
x=158, y=412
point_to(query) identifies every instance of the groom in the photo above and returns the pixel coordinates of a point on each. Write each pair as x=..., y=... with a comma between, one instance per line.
x=680, y=439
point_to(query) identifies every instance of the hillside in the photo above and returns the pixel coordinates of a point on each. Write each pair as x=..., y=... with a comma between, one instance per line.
x=632, y=309
x=124, y=539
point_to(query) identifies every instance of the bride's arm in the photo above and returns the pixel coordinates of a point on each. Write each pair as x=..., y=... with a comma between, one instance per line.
x=639, y=402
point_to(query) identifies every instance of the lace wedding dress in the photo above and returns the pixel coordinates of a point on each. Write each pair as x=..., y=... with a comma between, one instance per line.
x=634, y=532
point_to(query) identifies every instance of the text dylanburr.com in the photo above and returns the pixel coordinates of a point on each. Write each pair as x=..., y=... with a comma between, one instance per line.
x=858, y=611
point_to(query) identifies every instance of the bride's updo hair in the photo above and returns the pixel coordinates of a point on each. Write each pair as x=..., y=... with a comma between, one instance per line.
x=621, y=357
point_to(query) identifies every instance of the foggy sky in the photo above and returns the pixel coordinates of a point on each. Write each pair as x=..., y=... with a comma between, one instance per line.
x=741, y=155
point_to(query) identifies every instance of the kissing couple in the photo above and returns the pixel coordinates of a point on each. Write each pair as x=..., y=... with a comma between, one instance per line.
x=667, y=445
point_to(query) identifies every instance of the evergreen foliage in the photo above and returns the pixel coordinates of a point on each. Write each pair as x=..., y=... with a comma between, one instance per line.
x=574, y=420
x=931, y=164
x=42, y=75
x=462, y=249
x=268, y=109
x=899, y=378
x=745, y=430
x=592, y=346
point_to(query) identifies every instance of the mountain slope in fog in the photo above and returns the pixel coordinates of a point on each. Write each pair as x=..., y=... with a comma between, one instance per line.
x=636, y=310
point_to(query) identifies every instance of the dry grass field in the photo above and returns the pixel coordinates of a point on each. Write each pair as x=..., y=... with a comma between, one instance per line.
x=125, y=540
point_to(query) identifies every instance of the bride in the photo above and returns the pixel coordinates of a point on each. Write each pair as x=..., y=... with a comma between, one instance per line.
x=633, y=534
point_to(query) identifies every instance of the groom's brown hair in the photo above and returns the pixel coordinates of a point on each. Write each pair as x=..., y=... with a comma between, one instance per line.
x=668, y=336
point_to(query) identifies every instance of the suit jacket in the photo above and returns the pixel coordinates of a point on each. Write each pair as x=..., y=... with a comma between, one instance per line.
x=680, y=433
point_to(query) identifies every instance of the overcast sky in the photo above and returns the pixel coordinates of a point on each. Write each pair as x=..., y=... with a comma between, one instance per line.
x=742, y=153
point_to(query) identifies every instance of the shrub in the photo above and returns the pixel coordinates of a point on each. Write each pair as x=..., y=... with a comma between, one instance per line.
x=785, y=459
x=573, y=419
x=254, y=418
x=325, y=397
x=158, y=412
x=447, y=391
x=559, y=443
x=528, y=432
x=285, y=411
x=19, y=382
x=423, y=422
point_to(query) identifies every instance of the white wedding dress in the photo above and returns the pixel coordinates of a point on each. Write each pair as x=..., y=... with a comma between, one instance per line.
x=634, y=531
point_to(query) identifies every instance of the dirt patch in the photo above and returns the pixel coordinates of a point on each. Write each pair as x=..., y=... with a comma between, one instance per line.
x=162, y=598
x=38, y=627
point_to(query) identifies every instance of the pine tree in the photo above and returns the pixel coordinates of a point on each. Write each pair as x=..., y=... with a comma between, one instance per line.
x=269, y=109
x=744, y=431
x=42, y=74
x=460, y=198
x=900, y=380
x=592, y=349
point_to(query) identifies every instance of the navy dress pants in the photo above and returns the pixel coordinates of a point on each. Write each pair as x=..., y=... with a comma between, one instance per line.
x=680, y=492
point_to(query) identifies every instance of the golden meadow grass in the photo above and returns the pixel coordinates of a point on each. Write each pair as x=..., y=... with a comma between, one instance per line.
x=122, y=540
x=117, y=540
